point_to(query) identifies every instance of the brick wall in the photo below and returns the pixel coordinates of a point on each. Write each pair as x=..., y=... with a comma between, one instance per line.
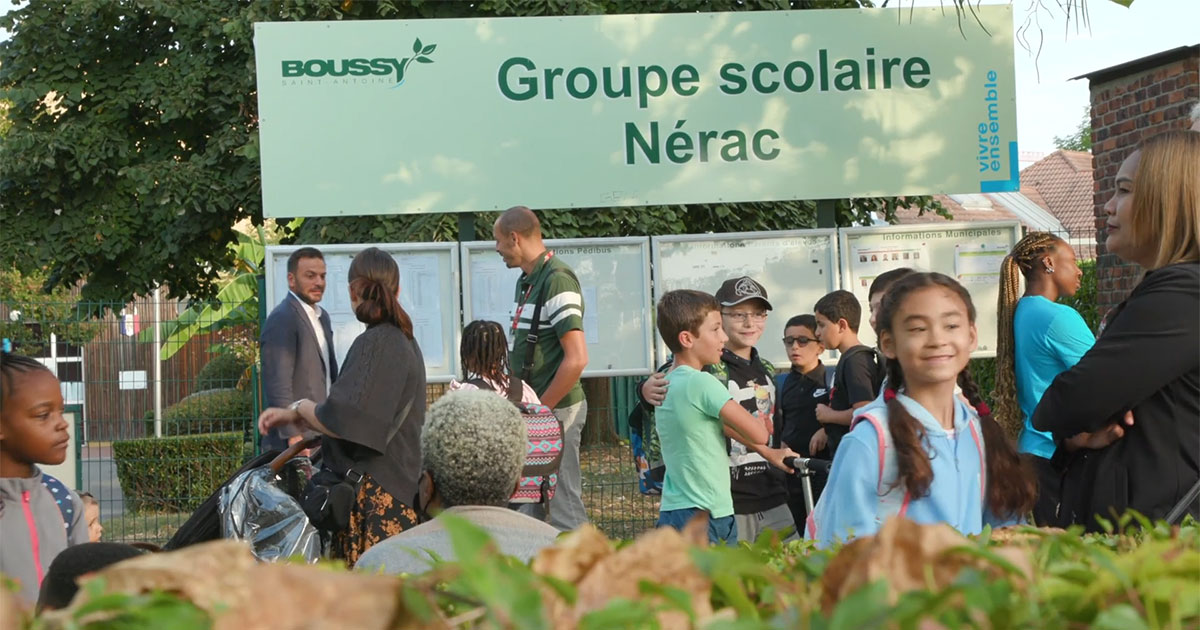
x=1127, y=109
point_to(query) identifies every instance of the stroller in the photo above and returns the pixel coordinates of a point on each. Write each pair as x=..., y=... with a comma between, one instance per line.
x=259, y=504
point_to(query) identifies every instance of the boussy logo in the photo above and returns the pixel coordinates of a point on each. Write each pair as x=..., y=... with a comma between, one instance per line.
x=359, y=66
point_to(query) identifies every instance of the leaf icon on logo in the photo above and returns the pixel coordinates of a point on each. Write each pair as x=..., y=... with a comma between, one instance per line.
x=428, y=49
x=417, y=46
x=424, y=59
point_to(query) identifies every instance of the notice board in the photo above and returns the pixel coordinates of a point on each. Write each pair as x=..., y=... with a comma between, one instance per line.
x=968, y=252
x=429, y=279
x=796, y=267
x=614, y=275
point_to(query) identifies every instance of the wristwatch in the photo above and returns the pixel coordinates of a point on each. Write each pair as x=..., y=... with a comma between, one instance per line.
x=296, y=405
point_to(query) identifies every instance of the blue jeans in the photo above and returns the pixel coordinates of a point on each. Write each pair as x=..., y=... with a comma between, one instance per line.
x=721, y=531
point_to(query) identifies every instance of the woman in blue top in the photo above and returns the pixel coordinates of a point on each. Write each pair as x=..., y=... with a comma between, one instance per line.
x=1037, y=339
x=921, y=452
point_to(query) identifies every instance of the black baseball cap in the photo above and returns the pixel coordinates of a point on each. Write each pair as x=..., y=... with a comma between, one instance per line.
x=737, y=290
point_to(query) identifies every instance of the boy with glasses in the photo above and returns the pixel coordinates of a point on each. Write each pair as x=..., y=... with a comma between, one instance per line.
x=799, y=391
x=757, y=484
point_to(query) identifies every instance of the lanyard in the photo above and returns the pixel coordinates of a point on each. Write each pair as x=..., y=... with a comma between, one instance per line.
x=524, y=301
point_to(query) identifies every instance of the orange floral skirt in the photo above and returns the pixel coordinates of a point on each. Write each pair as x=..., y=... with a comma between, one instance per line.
x=374, y=517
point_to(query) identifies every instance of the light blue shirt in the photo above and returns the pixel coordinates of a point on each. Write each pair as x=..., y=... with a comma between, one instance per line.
x=1048, y=339
x=850, y=504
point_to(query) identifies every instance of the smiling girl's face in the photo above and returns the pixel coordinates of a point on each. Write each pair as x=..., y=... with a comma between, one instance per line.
x=931, y=335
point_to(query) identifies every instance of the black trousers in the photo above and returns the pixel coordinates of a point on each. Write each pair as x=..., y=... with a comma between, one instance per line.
x=1049, y=480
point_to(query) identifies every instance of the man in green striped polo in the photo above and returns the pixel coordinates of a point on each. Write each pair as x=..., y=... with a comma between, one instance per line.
x=559, y=350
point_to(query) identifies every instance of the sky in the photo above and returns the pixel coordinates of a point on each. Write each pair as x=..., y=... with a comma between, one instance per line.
x=1049, y=103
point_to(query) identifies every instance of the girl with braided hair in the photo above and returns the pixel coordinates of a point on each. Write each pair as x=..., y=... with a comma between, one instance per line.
x=484, y=353
x=1037, y=339
x=921, y=452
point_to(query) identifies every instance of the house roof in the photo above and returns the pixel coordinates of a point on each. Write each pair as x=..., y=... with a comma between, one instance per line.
x=990, y=207
x=1061, y=183
x=1138, y=65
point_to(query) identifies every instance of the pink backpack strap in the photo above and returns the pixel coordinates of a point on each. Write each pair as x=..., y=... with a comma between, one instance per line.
x=982, y=459
x=892, y=502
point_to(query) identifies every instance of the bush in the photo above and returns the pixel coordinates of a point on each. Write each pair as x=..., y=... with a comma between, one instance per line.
x=176, y=474
x=983, y=371
x=212, y=411
x=223, y=371
x=1084, y=300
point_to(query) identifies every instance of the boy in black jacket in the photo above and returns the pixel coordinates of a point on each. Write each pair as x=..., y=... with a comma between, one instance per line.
x=859, y=373
x=798, y=393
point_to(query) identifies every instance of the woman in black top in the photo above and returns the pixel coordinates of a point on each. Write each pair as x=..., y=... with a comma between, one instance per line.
x=1146, y=360
x=372, y=419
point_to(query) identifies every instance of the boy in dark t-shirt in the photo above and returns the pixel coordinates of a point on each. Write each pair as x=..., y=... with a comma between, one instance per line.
x=859, y=373
x=798, y=393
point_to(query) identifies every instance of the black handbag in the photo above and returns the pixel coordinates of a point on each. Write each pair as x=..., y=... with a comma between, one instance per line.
x=329, y=497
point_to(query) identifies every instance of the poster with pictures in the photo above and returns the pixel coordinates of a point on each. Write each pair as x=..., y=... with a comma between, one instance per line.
x=870, y=261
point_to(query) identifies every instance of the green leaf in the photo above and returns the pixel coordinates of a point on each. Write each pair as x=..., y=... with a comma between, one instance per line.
x=428, y=49
x=417, y=46
x=1119, y=617
x=865, y=608
x=423, y=59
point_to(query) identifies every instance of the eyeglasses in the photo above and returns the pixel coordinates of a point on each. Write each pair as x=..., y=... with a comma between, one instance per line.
x=743, y=317
x=803, y=341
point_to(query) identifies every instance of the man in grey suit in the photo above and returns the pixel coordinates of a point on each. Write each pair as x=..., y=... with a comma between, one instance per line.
x=298, y=361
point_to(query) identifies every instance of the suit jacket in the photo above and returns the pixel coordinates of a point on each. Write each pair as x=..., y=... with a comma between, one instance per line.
x=291, y=360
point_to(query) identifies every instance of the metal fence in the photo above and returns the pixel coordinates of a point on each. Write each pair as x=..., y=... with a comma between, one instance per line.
x=113, y=380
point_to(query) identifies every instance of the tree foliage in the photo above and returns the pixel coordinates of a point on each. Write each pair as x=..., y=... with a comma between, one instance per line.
x=1081, y=138
x=131, y=140
x=28, y=315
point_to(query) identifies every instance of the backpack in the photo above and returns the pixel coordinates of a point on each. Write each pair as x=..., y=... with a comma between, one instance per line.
x=544, y=450
x=893, y=498
x=647, y=456
x=62, y=497
x=880, y=368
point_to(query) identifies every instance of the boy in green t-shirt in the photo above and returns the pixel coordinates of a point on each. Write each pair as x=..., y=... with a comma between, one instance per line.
x=696, y=416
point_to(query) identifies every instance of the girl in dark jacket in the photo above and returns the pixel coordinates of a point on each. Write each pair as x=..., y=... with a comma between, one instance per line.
x=1136, y=393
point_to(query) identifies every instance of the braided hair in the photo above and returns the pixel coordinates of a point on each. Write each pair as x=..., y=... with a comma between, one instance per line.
x=484, y=352
x=1011, y=489
x=11, y=365
x=1022, y=261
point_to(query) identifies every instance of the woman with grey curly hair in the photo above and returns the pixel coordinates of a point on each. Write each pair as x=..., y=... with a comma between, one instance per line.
x=472, y=451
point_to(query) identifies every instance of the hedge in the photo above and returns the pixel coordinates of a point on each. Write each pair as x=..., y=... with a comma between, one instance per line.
x=176, y=474
x=211, y=411
x=224, y=370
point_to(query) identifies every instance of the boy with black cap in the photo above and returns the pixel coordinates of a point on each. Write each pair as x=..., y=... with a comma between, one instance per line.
x=757, y=483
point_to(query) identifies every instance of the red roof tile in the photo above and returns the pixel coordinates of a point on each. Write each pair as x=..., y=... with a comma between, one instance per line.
x=1062, y=184
x=996, y=212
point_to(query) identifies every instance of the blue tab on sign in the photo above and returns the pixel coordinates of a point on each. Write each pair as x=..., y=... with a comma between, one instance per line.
x=1013, y=183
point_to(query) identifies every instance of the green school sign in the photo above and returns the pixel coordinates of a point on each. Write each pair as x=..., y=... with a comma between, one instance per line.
x=418, y=116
